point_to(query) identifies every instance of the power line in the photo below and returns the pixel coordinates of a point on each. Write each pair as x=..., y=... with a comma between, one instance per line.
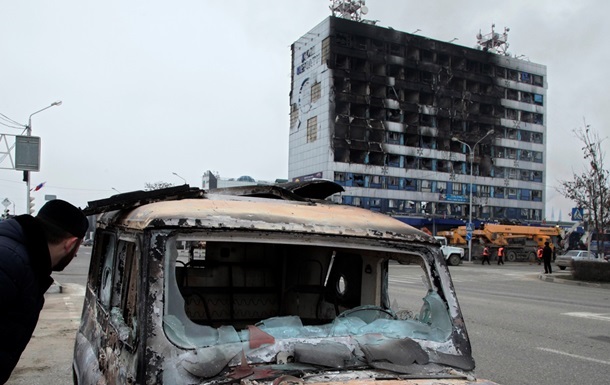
x=11, y=120
x=10, y=126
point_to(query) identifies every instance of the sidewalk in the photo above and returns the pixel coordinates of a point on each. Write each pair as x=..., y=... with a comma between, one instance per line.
x=566, y=278
x=48, y=357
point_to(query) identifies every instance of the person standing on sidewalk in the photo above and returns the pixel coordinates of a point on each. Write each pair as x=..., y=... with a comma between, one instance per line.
x=547, y=256
x=30, y=248
x=501, y=255
x=486, y=255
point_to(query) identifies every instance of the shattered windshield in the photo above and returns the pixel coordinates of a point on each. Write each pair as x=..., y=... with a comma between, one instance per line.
x=300, y=304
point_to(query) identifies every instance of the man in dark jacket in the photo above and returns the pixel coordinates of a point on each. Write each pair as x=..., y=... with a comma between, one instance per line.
x=547, y=256
x=30, y=248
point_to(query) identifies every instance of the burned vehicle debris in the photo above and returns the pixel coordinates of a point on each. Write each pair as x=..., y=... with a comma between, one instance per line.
x=269, y=284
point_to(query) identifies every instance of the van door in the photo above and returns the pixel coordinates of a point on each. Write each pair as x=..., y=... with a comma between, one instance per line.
x=122, y=332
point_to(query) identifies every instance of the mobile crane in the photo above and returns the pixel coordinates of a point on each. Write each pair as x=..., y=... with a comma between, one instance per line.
x=520, y=242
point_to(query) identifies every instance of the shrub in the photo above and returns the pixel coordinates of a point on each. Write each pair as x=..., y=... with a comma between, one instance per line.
x=594, y=271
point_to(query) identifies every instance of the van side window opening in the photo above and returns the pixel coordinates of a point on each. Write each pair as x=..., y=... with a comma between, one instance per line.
x=124, y=296
x=216, y=293
x=107, y=272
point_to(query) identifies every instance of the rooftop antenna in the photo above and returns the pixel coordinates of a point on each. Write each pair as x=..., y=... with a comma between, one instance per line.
x=494, y=42
x=350, y=9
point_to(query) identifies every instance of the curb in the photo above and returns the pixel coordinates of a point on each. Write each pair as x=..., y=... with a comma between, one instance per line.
x=560, y=279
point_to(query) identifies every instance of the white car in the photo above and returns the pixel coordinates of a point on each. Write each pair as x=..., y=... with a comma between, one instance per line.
x=565, y=260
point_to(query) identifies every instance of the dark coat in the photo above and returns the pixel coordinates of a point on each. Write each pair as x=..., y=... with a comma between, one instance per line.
x=25, y=275
x=547, y=253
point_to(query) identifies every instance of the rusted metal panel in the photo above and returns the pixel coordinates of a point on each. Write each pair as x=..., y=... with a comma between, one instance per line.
x=270, y=215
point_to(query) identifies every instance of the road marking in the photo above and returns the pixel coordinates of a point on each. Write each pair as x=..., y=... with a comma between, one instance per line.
x=595, y=316
x=575, y=356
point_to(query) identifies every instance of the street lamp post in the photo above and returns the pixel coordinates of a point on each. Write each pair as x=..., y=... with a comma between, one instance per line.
x=180, y=177
x=27, y=173
x=471, y=154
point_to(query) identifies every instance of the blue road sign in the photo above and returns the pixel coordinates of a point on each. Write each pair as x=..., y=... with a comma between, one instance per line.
x=468, y=236
x=469, y=226
x=577, y=214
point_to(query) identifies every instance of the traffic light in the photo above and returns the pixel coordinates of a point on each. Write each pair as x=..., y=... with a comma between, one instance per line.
x=31, y=206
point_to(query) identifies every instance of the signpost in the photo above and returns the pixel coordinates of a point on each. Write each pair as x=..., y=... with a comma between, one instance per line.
x=469, y=231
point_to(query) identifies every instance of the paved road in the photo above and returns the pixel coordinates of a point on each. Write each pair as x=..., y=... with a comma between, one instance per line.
x=528, y=331
x=523, y=330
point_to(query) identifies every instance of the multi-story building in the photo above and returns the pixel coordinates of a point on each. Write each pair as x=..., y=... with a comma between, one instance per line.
x=392, y=116
x=211, y=180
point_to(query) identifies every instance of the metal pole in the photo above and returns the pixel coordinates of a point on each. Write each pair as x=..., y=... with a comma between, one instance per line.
x=471, y=152
x=470, y=214
x=29, y=133
x=180, y=177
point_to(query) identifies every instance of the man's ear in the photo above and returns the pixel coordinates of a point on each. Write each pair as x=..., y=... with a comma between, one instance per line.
x=70, y=242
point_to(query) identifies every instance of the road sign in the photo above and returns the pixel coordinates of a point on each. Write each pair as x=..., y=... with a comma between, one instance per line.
x=468, y=236
x=6, y=202
x=469, y=226
x=577, y=214
x=27, y=153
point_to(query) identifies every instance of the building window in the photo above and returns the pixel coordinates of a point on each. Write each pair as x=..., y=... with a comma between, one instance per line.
x=456, y=188
x=340, y=178
x=325, y=50
x=441, y=187
x=483, y=191
x=426, y=186
x=312, y=129
x=316, y=91
x=294, y=115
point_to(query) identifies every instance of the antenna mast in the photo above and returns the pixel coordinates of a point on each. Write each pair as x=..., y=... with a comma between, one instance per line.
x=494, y=42
x=349, y=9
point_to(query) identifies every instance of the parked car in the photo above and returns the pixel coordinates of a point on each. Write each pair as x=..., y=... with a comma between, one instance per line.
x=284, y=288
x=565, y=260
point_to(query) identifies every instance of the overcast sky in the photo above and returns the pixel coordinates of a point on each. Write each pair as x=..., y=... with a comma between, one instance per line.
x=151, y=88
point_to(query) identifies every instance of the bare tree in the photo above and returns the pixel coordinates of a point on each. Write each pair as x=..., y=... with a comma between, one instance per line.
x=590, y=190
x=156, y=185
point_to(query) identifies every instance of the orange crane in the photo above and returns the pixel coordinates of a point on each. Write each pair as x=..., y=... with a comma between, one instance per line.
x=520, y=242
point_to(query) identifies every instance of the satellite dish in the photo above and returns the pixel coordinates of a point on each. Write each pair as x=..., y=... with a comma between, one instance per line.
x=364, y=9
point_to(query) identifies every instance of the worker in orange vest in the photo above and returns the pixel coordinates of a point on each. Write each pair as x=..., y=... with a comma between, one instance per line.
x=539, y=254
x=501, y=255
x=486, y=255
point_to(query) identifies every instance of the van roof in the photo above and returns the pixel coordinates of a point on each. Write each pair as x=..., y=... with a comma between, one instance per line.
x=263, y=214
x=290, y=207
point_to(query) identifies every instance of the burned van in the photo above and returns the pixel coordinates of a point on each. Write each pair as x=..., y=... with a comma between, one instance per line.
x=265, y=285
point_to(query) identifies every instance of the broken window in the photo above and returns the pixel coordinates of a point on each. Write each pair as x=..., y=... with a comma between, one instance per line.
x=359, y=42
x=107, y=273
x=342, y=62
x=512, y=94
x=379, y=69
x=281, y=289
x=312, y=129
x=124, y=313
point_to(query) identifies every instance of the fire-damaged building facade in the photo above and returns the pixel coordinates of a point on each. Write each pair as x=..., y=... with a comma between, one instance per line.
x=394, y=116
